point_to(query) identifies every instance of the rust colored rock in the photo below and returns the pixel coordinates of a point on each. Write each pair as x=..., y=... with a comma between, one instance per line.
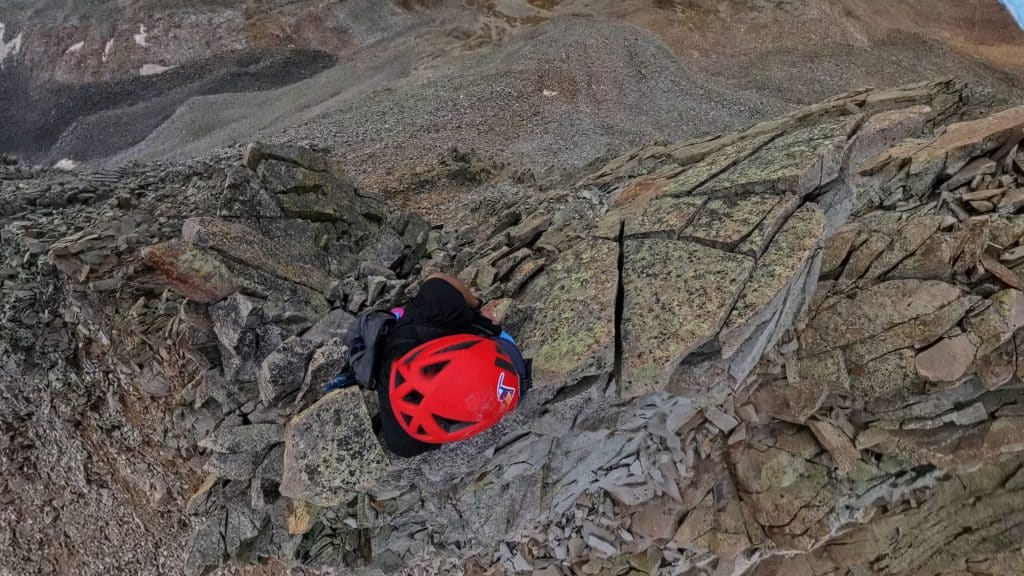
x=196, y=274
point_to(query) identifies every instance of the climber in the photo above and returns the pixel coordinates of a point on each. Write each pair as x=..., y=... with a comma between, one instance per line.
x=443, y=369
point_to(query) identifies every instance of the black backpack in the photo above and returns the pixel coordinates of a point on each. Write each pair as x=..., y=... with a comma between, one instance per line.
x=364, y=339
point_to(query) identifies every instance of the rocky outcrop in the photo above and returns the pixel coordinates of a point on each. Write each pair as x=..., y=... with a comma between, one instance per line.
x=783, y=350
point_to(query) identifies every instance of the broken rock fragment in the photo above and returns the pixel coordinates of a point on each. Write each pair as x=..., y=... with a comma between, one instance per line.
x=948, y=360
x=331, y=451
x=571, y=331
x=284, y=370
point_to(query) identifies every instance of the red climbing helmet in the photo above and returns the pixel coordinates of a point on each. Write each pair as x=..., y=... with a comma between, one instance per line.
x=452, y=388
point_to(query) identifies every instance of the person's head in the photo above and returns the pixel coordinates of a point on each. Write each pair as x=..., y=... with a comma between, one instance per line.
x=452, y=388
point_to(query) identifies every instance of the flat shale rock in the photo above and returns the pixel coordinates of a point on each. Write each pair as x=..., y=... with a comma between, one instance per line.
x=676, y=297
x=725, y=222
x=662, y=215
x=773, y=273
x=571, y=331
x=288, y=262
x=948, y=360
x=875, y=310
x=997, y=323
x=331, y=451
x=797, y=162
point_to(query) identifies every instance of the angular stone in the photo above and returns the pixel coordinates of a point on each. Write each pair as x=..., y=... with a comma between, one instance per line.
x=891, y=376
x=946, y=361
x=990, y=195
x=725, y=222
x=862, y=258
x=963, y=141
x=386, y=250
x=528, y=231
x=284, y=370
x=996, y=324
x=676, y=297
x=721, y=420
x=837, y=443
x=232, y=317
x=251, y=438
x=231, y=466
x=663, y=215
x=205, y=549
x=798, y=400
x=905, y=242
x=331, y=451
x=334, y=325
x=507, y=264
x=300, y=521
x=772, y=275
x=873, y=311
x=967, y=174
x=308, y=194
x=241, y=526
x=201, y=496
x=975, y=240
x=777, y=483
x=241, y=243
x=257, y=152
x=837, y=247
x=328, y=360
x=196, y=274
x=658, y=520
x=522, y=275
x=701, y=172
x=1012, y=201
x=998, y=366
x=916, y=333
x=1001, y=272
x=570, y=331
x=883, y=130
x=272, y=466
x=243, y=197
x=796, y=163
x=932, y=261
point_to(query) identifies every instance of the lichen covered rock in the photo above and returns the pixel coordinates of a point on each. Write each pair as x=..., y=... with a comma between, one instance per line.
x=331, y=452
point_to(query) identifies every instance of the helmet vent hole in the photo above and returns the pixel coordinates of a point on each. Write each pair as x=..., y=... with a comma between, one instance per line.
x=420, y=430
x=431, y=370
x=505, y=365
x=408, y=419
x=459, y=346
x=413, y=397
x=449, y=425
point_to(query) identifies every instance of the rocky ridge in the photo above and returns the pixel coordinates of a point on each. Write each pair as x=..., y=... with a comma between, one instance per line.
x=791, y=349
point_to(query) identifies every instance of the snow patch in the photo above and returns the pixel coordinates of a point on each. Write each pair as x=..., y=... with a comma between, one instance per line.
x=8, y=48
x=75, y=47
x=140, y=38
x=150, y=69
x=107, y=49
x=66, y=164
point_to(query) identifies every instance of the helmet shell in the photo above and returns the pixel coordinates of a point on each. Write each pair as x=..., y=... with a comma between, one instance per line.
x=452, y=388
